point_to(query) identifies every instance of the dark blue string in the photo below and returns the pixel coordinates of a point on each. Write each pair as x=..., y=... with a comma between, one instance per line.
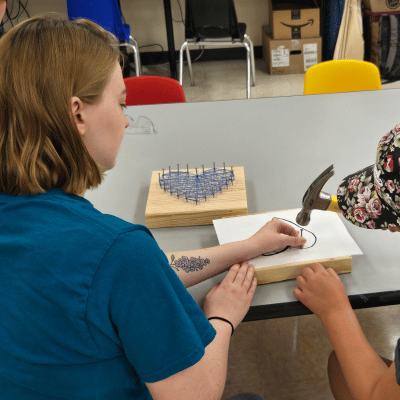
x=196, y=187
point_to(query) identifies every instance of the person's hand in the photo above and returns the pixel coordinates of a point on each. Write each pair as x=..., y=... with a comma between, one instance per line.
x=231, y=298
x=275, y=235
x=322, y=291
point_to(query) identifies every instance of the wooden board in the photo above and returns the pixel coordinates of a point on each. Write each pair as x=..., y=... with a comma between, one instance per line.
x=164, y=210
x=285, y=272
x=278, y=273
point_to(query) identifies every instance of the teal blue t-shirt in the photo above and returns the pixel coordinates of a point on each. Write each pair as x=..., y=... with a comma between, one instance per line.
x=89, y=306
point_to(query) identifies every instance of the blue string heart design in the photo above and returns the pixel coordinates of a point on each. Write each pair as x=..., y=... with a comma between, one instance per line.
x=196, y=187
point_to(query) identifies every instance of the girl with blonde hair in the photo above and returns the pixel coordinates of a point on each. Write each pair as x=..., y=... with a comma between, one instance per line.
x=90, y=306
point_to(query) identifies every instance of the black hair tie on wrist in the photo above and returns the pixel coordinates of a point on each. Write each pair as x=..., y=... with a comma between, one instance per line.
x=223, y=319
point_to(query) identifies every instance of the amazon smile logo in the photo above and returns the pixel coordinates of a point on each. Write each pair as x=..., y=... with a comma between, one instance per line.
x=310, y=22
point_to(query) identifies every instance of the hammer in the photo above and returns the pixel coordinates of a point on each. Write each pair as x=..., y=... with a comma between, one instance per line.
x=315, y=199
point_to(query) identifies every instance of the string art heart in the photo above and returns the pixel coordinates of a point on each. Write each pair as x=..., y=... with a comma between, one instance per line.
x=196, y=186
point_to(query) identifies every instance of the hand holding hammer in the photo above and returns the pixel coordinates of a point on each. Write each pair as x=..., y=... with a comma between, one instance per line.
x=315, y=199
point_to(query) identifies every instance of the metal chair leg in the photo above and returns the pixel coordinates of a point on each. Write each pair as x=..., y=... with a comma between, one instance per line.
x=248, y=70
x=253, y=68
x=137, y=54
x=183, y=47
x=189, y=61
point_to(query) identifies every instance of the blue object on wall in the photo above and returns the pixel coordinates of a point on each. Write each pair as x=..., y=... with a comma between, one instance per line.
x=105, y=13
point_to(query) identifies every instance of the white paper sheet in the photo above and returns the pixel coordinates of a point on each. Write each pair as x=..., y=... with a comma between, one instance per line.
x=333, y=240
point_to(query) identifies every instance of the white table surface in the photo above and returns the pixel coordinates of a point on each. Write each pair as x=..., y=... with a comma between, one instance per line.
x=283, y=144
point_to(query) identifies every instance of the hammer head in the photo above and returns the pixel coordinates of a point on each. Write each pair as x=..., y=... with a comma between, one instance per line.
x=314, y=199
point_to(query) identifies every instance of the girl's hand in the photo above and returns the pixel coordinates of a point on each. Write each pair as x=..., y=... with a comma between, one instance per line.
x=322, y=291
x=231, y=298
x=275, y=235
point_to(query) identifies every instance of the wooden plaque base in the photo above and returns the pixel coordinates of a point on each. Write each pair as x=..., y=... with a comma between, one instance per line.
x=164, y=210
x=278, y=273
x=285, y=272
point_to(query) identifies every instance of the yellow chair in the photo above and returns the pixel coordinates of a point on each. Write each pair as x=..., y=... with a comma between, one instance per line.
x=341, y=76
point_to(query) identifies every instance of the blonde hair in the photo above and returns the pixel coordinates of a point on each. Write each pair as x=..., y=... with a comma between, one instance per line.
x=45, y=61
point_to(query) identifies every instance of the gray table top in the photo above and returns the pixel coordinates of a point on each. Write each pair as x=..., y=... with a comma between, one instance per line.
x=283, y=144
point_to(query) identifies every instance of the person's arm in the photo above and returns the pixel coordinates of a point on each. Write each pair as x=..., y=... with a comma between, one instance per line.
x=206, y=379
x=202, y=381
x=368, y=377
x=195, y=266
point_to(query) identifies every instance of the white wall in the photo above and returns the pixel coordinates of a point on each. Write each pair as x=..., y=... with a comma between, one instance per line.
x=147, y=21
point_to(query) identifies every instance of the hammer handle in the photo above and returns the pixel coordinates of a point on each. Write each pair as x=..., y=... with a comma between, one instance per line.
x=334, y=206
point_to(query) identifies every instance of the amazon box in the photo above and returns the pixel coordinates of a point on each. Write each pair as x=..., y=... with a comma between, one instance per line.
x=294, y=19
x=382, y=5
x=289, y=56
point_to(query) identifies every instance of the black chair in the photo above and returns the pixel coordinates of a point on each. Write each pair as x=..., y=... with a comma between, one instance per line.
x=214, y=23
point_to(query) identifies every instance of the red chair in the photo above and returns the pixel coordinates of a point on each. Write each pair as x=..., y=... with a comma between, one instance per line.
x=153, y=90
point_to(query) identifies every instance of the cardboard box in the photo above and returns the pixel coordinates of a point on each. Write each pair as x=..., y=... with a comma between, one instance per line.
x=294, y=20
x=382, y=5
x=290, y=56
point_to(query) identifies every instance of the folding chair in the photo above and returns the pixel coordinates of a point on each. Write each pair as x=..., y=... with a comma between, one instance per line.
x=214, y=23
x=341, y=76
x=153, y=90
